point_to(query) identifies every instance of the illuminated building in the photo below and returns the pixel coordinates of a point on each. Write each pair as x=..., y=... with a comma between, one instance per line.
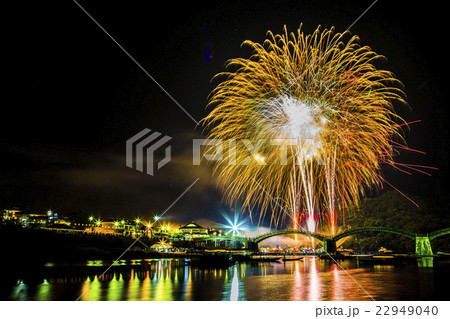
x=36, y=219
x=26, y=219
x=104, y=227
x=193, y=230
x=10, y=214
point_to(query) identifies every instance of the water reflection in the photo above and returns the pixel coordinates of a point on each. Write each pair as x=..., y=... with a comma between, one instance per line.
x=297, y=286
x=234, y=287
x=425, y=262
x=171, y=279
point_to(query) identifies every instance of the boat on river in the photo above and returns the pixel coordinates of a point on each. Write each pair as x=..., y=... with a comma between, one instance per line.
x=292, y=258
x=261, y=258
x=382, y=259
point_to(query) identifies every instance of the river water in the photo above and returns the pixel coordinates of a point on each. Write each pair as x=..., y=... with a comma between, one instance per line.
x=172, y=279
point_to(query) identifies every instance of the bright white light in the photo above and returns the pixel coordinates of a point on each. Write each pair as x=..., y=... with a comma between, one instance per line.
x=260, y=159
x=299, y=121
x=311, y=224
x=234, y=226
x=292, y=118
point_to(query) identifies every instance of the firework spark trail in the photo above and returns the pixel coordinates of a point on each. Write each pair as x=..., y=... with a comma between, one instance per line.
x=328, y=107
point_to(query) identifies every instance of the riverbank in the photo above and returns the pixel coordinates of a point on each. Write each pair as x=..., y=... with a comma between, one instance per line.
x=27, y=251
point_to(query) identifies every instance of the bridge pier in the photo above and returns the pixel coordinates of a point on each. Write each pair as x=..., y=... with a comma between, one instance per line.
x=423, y=246
x=329, y=246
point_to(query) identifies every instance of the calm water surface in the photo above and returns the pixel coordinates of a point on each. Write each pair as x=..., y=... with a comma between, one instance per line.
x=171, y=279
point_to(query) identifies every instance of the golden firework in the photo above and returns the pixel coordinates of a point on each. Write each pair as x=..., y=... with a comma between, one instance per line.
x=305, y=122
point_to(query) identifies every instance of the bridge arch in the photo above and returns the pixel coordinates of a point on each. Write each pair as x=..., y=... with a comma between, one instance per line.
x=375, y=229
x=439, y=233
x=258, y=239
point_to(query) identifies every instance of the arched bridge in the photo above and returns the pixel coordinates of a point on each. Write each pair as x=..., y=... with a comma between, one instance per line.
x=423, y=246
x=439, y=233
x=284, y=232
x=374, y=229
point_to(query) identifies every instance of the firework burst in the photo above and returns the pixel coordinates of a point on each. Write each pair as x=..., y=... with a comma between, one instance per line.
x=306, y=120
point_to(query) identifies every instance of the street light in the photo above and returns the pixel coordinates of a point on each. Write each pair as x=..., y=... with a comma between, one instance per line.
x=138, y=223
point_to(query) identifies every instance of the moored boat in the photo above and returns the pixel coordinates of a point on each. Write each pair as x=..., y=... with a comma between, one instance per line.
x=265, y=258
x=380, y=259
x=292, y=258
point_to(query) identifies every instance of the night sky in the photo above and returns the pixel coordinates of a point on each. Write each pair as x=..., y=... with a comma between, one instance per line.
x=64, y=149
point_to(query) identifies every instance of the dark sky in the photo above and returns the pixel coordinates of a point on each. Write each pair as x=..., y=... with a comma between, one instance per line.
x=65, y=147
